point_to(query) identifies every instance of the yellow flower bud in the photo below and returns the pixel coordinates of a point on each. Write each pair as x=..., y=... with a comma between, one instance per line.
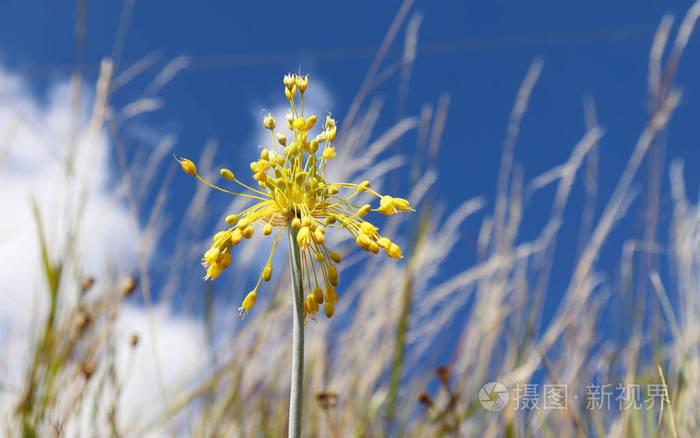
x=331, y=295
x=332, y=271
x=330, y=122
x=248, y=231
x=313, y=147
x=267, y=229
x=318, y=295
x=231, y=219
x=364, y=210
x=210, y=256
x=362, y=241
x=254, y=166
x=280, y=160
x=330, y=219
x=319, y=237
x=328, y=153
x=281, y=138
x=248, y=303
x=335, y=256
x=311, y=304
x=306, y=221
x=386, y=206
x=304, y=237
x=267, y=273
x=236, y=236
x=300, y=177
x=383, y=242
x=299, y=124
x=213, y=272
x=368, y=229
x=225, y=260
x=226, y=174
x=320, y=257
x=264, y=154
x=373, y=247
x=188, y=166
x=394, y=251
x=400, y=204
x=310, y=122
x=291, y=150
x=290, y=93
x=296, y=223
x=329, y=308
x=269, y=122
x=244, y=222
x=263, y=165
x=364, y=185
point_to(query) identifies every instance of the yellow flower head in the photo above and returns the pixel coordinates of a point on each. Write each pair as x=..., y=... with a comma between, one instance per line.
x=293, y=192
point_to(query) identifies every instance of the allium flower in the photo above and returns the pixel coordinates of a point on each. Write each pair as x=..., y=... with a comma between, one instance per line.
x=293, y=192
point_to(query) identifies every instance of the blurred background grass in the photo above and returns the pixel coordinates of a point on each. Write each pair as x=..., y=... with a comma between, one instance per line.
x=110, y=331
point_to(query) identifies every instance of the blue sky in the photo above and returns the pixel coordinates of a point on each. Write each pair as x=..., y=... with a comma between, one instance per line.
x=476, y=51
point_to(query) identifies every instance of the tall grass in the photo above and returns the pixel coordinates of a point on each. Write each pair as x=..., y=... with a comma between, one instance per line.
x=371, y=370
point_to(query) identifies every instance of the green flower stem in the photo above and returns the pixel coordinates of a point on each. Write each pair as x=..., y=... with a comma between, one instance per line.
x=296, y=392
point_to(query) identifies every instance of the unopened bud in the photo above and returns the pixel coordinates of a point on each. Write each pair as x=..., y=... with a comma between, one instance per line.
x=269, y=122
x=188, y=166
x=267, y=273
x=443, y=374
x=310, y=122
x=227, y=174
x=88, y=282
x=424, y=399
x=128, y=286
x=327, y=399
x=88, y=369
x=299, y=124
x=81, y=321
x=329, y=308
x=318, y=295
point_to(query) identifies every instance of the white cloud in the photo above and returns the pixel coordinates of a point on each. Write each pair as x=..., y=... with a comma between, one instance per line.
x=34, y=147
